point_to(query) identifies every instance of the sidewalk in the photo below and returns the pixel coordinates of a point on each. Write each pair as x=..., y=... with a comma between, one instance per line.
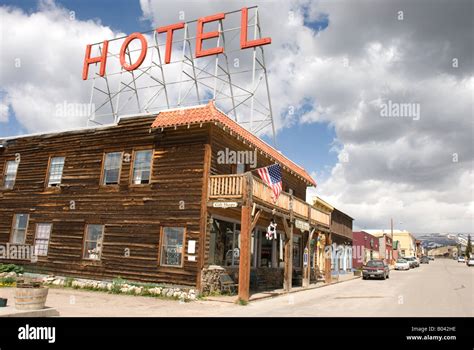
x=278, y=292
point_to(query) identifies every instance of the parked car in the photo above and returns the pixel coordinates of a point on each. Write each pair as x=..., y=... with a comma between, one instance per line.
x=412, y=261
x=375, y=269
x=424, y=260
x=470, y=261
x=402, y=264
x=431, y=257
x=461, y=259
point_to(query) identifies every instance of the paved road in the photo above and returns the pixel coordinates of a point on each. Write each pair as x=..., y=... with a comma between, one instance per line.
x=442, y=288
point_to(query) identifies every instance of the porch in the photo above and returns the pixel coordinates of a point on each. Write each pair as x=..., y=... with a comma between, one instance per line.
x=247, y=201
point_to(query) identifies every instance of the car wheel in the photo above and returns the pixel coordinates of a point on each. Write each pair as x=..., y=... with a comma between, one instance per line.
x=384, y=277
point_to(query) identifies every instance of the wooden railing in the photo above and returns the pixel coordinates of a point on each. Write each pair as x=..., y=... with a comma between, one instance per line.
x=228, y=186
x=232, y=187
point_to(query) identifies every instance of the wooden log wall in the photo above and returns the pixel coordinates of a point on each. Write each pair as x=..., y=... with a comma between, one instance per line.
x=132, y=215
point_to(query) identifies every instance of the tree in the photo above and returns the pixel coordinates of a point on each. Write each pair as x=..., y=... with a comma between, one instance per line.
x=468, y=247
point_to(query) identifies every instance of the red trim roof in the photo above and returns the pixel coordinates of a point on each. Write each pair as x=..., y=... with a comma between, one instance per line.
x=210, y=114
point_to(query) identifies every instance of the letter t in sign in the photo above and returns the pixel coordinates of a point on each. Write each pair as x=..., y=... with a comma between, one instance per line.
x=169, y=37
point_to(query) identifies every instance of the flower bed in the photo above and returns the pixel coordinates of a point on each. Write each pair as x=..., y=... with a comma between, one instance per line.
x=119, y=286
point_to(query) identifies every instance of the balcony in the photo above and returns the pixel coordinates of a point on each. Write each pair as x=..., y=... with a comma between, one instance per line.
x=225, y=188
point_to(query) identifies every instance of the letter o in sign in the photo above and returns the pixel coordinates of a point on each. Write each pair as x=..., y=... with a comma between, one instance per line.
x=125, y=44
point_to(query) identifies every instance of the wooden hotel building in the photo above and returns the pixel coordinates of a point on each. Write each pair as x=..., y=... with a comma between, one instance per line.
x=146, y=199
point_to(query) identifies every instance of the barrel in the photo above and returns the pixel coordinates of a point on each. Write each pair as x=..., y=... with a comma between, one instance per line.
x=30, y=298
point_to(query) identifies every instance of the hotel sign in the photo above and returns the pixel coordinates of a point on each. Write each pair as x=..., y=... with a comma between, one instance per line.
x=169, y=31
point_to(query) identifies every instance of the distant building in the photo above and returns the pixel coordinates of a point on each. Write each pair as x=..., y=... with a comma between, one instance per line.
x=364, y=248
x=385, y=244
x=341, y=238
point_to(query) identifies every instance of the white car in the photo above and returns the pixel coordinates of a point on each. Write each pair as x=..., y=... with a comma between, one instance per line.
x=461, y=259
x=402, y=264
x=470, y=261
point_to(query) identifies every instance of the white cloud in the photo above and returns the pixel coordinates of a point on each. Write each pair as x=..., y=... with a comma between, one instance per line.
x=396, y=167
x=41, y=61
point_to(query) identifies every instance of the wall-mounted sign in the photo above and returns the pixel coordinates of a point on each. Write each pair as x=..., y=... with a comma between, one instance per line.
x=225, y=205
x=302, y=225
x=191, y=247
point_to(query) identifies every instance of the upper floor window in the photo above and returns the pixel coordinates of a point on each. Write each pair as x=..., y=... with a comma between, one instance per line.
x=112, y=166
x=55, y=172
x=9, y=177
x=142, y=167
x=172, y=245
x=43, y=232
x=93, y=242
x=20, y=224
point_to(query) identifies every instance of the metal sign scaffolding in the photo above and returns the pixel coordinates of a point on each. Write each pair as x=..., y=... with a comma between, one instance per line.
x=236, y=79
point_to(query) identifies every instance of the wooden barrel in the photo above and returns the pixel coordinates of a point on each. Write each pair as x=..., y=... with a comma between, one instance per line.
x=30, y=298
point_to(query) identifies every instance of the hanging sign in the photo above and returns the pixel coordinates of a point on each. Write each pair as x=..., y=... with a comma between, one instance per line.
x=225, y=205
x=302, y=225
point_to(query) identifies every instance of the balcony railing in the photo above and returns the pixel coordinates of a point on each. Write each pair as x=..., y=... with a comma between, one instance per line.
x=222, y=187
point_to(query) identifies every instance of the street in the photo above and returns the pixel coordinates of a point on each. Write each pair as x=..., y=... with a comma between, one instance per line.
x=442, y=288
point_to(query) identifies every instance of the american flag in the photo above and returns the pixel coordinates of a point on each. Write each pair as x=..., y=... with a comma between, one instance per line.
x=272, y=177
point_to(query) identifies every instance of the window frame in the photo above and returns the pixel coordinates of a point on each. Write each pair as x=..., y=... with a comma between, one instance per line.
x=4, y=174
x=48, y=172
x=85, y=240
x=102, y=175
x=13, y=228
x=160, y=250
x=49, y=237
x=132, y=165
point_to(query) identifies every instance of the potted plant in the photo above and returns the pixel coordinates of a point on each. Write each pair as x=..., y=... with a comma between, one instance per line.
x=30, y=295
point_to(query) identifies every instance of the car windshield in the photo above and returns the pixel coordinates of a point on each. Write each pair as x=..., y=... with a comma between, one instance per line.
x=375, y=264
x=401, y=261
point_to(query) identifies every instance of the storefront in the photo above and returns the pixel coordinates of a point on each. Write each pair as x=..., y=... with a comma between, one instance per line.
x=267, y=255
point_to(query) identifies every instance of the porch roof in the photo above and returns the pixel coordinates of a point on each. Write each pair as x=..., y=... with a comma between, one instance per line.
x=210, y=114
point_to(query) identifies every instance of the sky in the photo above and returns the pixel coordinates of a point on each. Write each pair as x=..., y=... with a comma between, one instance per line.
x=347, y=68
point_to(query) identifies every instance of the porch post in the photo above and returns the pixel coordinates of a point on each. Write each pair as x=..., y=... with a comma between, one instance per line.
x=327, y=257
x=245, y=241
x=288, y=273
x=307, y=268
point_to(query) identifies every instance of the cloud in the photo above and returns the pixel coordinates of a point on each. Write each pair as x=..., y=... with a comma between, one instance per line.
x=41, y=63
x=420, y=172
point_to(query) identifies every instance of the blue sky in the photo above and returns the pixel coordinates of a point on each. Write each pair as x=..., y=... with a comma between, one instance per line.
x=308, y=145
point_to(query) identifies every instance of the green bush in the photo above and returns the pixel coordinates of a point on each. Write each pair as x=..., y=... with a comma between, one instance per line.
x=11, y=268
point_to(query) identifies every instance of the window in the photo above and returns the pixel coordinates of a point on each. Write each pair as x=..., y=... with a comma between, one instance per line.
x=56, y=166
x=93, y=242
x=172, y=246
x=112, y=167
x=20, y=224
x=43, y=232
x=11, y=169
x=142, y=167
